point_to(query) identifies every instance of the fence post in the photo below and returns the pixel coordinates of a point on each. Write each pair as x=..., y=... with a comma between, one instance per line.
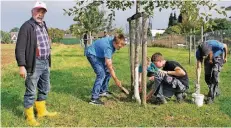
x=194, y=40
x=202, y=34
x=190, y=47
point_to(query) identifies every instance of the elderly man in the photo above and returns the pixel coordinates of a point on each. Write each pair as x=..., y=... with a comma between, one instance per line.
x=33, y=57
x=215, y=55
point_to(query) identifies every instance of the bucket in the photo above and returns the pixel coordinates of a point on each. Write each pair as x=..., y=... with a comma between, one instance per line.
x=199, y=99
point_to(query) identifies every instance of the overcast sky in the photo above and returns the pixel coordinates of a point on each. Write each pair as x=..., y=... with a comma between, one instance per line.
x=15, y=13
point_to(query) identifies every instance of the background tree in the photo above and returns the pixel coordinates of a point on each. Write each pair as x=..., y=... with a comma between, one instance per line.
x=5, y=37
x=56, y=34
x=77, y=30
x=180, y=18
x=175, y=19
x=110, y=25
x=119, y=30
x=15, y=29
x=67, y=31
x=170, y=21
x=149, y=33
x=221, y=24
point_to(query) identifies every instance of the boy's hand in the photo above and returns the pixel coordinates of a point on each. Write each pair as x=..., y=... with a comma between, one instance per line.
x=162, y=73
x=151, y=78
x=211, y=61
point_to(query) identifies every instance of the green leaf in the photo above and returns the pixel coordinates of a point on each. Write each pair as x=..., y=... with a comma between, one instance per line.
x=203, y=14
x=69, y=13
x=224, y=13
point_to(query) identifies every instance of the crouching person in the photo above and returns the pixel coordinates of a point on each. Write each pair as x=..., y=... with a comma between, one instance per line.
x=33, y=57
x=171, y=80
x=150, y=68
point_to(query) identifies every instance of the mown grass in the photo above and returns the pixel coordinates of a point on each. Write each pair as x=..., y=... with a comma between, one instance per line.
x=72, y=79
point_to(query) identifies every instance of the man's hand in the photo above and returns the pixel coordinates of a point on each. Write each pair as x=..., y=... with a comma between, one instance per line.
x=113, y=68
x=151, y=78
x=22, y=72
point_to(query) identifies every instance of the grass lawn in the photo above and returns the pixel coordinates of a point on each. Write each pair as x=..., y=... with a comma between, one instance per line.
x=72, y=80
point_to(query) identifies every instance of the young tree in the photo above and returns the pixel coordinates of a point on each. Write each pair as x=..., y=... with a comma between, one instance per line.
x=91, y=19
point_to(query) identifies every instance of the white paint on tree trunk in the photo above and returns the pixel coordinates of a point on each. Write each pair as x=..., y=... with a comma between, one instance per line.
x=136, y=88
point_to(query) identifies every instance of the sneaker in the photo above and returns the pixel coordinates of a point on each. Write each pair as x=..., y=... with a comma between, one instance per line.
x=184, y=95
x=96, y=102
x=105, y=94
x=109, y=92
x=181, y=97
x=209, y=100
x=161, y=100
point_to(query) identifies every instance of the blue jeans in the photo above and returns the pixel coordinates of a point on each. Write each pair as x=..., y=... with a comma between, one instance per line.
x=39, y=79
x=102, y=75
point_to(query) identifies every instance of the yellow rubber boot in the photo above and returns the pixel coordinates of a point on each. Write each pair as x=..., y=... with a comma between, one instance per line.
x=40, y=107
x=30, y=119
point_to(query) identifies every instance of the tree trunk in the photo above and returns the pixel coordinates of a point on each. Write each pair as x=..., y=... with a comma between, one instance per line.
x=132, y=57
x=144, y=57
x=137, y=47
x=202, y=34
x=90, y=38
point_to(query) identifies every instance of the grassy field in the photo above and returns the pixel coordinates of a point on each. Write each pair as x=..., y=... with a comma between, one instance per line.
x=72, y=79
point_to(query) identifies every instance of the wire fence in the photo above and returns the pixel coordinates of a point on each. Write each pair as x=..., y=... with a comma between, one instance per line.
x=185, y=41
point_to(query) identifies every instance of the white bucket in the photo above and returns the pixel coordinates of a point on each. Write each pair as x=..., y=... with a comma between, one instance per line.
x=199, y=99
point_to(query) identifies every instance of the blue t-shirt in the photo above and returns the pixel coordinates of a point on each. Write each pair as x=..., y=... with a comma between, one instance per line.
x=102, y=48
x=217, y=48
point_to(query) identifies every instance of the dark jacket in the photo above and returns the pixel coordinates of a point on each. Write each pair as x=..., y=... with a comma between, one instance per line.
x=25, y=51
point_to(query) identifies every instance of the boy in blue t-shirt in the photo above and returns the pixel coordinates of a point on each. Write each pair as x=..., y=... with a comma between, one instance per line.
x=151, y=69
